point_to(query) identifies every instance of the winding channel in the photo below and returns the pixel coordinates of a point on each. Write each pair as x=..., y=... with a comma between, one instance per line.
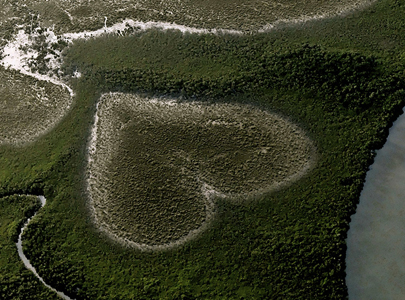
x=376, y=239
x=25, y=260
x=375, y=258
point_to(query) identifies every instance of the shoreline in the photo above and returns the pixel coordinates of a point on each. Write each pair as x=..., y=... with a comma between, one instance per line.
x=375, y=236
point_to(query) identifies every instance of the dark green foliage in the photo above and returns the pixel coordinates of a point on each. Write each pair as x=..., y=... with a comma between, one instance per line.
x=15, y=281
x=287, y=245
x=342, y=79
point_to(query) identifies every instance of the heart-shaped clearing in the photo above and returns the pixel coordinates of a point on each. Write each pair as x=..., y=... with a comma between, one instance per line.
x=155, y=166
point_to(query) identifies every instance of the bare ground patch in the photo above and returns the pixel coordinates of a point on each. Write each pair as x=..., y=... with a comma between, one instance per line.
x=29, y=107
x=237, y=15
x=156, y=165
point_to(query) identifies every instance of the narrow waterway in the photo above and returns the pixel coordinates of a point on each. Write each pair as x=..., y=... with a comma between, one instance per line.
x=375, y=256
x=25, y=259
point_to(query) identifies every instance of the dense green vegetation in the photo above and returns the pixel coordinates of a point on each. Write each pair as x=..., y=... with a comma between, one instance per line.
x=16, y=281
x=341, y=79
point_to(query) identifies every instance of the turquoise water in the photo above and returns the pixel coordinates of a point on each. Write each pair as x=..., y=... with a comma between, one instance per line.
x=376, y=240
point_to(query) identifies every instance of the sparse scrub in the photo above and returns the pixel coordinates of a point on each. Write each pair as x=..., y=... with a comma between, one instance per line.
x=240, y=15
x=28, y=107
x=151, y=161
x=287, y=245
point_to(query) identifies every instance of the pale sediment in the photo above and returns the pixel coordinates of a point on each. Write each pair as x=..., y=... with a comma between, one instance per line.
x=29, y=108
x=21, y=52
x=157, y=165
x=250, y=15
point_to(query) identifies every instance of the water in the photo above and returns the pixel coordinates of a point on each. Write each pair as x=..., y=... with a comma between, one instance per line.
x=376, y=240
x=25, y=260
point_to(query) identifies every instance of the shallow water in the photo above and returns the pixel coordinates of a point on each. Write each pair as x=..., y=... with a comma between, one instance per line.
x=25, y=260
x=375, y=256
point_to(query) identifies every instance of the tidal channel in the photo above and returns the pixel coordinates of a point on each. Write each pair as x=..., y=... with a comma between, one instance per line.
x=25, y=260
